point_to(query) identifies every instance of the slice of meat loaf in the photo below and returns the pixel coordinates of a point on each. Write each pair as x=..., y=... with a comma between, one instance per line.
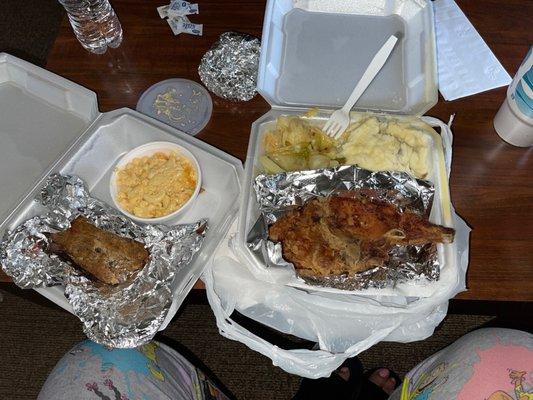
x=106, y=256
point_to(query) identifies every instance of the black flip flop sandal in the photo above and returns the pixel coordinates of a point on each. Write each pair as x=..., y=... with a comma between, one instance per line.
x=334, y=387
x=371, y=391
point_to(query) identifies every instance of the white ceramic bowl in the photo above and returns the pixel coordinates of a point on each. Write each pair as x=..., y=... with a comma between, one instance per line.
x=149, y=149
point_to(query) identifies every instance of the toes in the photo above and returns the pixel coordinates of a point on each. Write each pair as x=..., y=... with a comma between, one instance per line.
x=379, y=377
x=344, y=373
x=389, y=386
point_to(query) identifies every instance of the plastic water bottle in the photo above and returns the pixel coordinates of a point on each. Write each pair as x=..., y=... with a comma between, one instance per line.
x=95, y=24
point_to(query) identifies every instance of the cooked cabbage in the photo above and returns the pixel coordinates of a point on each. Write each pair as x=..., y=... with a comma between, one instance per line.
x=374, y=143
x=295, y=144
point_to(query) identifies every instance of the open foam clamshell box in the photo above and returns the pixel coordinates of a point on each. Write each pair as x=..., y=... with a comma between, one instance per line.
x=49, y=124
x=313, y=53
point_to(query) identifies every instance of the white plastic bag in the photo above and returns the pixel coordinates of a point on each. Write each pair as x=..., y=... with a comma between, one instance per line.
x=342, y=325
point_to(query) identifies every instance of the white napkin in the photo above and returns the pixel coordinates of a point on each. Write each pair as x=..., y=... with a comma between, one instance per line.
x=466, y=65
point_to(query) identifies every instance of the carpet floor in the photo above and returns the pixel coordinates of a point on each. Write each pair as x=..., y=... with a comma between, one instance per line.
x=34, y=335
x=28, y=28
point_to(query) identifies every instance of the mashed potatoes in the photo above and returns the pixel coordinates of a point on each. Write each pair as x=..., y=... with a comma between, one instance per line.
x=376, y=143
x=155, y=186
x=387, y=146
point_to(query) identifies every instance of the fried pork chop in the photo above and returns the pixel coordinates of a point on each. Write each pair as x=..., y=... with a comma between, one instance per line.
x=106, y=256
x=346, y=235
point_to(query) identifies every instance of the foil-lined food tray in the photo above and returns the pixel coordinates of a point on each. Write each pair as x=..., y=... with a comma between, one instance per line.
x=279, y=193
x=120, y=316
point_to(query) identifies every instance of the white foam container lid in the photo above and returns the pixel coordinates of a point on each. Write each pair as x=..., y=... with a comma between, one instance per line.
x=293, y=76
x=313, y=52
x=49, y=124
x=41, y=115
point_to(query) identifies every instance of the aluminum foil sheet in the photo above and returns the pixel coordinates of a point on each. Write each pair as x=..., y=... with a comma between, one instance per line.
x=276, y=194
x=229, y=69
x=121, y=316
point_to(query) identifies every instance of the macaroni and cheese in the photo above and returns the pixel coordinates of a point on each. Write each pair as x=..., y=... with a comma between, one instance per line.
x=155, y=186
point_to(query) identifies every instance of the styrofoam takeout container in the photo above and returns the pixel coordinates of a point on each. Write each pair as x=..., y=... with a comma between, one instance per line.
x=49, y=124
x=147, y=150
x=313, y=53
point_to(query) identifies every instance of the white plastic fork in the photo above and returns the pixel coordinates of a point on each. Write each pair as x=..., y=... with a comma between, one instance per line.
x=340, y=119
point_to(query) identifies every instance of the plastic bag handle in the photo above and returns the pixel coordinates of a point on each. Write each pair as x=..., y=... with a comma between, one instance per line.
x=447, y=138
x=307, y=363
x=447, y=142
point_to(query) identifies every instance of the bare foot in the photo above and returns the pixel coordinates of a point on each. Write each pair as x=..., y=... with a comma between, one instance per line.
x=344, y=373
x=382, y=379
x=379, y=378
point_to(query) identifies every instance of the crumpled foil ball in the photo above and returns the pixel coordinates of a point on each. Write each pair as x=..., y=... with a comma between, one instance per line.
x=229, y=68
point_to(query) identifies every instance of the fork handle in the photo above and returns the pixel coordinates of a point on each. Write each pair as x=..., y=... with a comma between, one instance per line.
x=371, y=71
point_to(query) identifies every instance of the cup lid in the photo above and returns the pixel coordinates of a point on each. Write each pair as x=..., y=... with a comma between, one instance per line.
x=184, y=104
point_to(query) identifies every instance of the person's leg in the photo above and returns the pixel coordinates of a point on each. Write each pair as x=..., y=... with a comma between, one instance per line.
x=343, y=384
x=349, y=383
x=491, y=363
x=152, y=371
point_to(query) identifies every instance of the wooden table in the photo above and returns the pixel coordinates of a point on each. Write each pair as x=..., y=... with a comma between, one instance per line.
x=491, y=183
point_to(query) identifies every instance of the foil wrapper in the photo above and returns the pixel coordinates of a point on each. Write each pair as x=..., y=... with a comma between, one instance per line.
x=229, y=69
x=121, y=316
x=277, y=194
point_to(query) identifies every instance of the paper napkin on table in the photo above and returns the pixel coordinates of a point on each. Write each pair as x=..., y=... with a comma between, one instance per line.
x=466, y=65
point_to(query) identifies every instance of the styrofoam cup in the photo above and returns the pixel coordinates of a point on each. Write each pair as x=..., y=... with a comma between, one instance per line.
x=511, y=128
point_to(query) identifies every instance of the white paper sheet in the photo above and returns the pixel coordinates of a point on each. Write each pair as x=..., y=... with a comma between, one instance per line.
x=466, y=65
